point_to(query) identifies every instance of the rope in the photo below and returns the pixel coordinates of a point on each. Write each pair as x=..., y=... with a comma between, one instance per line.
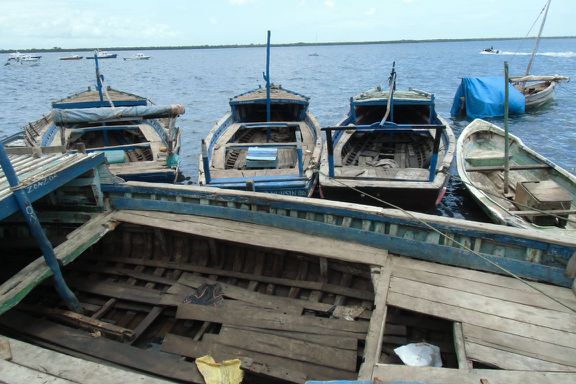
x=410, y=214
x=106, y=93
x=528, y=33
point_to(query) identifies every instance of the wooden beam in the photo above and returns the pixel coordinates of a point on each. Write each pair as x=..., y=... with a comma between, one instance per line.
x=459, y=347
x=516, y=167
x=375, y=334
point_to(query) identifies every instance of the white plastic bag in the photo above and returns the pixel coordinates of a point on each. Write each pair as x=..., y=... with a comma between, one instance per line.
x=419, y=355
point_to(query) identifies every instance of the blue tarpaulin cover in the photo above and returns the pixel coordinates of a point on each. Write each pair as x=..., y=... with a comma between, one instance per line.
x=485, y=97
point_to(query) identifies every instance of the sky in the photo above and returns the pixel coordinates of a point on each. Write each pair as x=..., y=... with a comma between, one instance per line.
x=26, y=24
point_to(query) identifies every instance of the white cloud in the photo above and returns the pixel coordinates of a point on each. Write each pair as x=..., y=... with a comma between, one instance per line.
x=370, y=12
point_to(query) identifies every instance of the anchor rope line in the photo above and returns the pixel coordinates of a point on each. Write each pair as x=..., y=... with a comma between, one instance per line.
x=410, y=214
x=515, y=203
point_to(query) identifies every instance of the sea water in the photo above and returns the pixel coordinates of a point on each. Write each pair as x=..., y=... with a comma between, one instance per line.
x=204, y=80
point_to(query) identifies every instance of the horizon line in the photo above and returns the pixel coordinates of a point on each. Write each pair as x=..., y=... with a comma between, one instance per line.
x=256, y=45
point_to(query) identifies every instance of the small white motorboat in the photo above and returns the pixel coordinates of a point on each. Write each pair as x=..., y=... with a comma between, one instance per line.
x=138, y=56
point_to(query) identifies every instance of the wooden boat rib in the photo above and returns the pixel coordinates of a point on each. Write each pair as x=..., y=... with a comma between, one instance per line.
x=481, y=168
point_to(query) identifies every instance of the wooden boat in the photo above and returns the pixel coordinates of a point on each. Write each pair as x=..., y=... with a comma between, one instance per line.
x=71, y=57
x=298, y=289
x=391, y=145
x=541, y=194
x=141, y=140
x=268, y=142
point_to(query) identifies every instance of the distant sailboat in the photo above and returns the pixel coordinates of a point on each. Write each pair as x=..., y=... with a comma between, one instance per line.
x=537, y=90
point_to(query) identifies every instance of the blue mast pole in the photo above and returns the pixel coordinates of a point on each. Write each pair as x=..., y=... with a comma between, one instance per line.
x=267, y=77
x=98, y=78
x=36, y=229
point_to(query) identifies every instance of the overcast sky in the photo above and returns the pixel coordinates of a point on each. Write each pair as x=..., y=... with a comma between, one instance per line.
x=121, y=23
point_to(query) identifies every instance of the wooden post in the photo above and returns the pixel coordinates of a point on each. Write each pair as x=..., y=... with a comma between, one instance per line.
x=506, y=133
x=205, y=162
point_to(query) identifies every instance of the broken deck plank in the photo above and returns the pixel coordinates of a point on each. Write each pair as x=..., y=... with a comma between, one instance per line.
x=102, y=348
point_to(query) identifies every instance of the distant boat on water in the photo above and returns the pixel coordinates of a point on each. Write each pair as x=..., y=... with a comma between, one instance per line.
x=72, y=57
x=22, y=58
x=138, y=56
x=489, y=51
x=104, y=55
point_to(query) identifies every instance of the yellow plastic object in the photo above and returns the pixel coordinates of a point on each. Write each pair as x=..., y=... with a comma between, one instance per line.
x=226, y=372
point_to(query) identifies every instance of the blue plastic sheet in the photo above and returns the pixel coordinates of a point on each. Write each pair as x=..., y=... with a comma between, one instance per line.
x=484, y=97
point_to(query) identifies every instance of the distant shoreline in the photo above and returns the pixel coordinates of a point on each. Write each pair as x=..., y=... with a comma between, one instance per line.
x=58, y=49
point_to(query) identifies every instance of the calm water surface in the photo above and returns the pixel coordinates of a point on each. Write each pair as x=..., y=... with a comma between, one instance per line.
x=204, y=80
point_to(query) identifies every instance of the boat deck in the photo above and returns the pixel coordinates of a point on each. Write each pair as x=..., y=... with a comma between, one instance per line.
x=498, y=322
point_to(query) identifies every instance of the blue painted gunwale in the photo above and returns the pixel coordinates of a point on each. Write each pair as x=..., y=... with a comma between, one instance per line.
x=44, y=186
x=555, y=253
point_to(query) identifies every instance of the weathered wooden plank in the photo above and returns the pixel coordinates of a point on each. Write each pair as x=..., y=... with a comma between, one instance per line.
x=16, y=374
x=375, y=334
x=256, y=235
x=432, y=375
x=261, y=318
x=82, y=321
x=505, y=309
x=289, y=348
x=5, y=350
x=521, y=345
x=122, y=354
x=118, y=291
x=533, y=298
x=72, y=368
x=459, y=347
x=494, y=322
x=484, y=277
x=512, y=361
x=144, y=324
x=289, y=370
x=327, y=340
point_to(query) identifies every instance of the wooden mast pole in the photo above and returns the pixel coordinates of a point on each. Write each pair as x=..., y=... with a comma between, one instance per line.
x=506, y=133
x=529, y=67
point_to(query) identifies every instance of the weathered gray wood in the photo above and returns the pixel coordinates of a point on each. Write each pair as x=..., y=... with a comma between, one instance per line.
x=256, y=235
x=71, y=368
x=122, y=354
x=258, y=317
x=375, y=334
x=327, y=340
x=16, y=374
x=289, y=348
x=104, y=309
x=459, y=347
x=118, y=291
x=470, y=316
x=432, y=375
x=286, y=369
x=513, y=167
x=511, y=361
x=5, y=350
x=144, y=324
x=521, y=345
x=505, y=309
